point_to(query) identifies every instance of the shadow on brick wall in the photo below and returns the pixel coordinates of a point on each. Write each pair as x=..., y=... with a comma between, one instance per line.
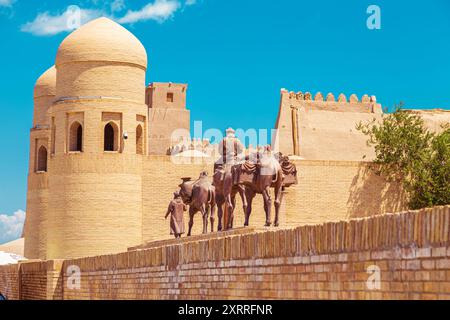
x=371, y=194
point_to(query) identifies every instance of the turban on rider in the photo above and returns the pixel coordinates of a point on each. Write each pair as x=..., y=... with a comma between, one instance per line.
x=230, y=131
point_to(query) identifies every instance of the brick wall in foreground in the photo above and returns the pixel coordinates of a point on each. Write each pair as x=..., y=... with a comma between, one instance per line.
x=40, y=280
x=330, y=261
x=9, y=281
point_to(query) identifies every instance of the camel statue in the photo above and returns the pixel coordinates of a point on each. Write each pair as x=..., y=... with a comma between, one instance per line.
x=226, y=191
x=200, y=196
x=263, y=171
x=231, y=154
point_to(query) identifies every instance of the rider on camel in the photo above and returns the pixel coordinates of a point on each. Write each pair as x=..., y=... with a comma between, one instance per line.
x=231, y=150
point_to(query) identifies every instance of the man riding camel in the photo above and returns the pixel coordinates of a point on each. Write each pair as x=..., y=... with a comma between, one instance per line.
x=231, y=153
x=231, y=150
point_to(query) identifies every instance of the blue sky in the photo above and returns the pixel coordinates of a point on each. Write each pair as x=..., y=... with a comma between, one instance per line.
x=235, y=55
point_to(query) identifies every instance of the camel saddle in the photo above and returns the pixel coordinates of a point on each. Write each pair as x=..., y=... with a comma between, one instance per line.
x=289, y=172
x=248, y=172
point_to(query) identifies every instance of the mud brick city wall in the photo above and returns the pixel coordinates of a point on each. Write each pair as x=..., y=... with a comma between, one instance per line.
x=327, y=191
x=161, y=178
x=9, y=281
x=40, y=280
x=137, y=192
x=328, y=261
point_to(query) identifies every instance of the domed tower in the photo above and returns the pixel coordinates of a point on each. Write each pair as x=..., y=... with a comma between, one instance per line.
x=37, y=194
x=98, y=137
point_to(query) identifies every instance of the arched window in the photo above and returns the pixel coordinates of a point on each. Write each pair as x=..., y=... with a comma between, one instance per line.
x=111, y=137
x=76, y=137
x=42, y=159
x=139, y=140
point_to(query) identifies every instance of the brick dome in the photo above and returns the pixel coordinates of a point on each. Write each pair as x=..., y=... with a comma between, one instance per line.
x=46, y=84
x=102, y=40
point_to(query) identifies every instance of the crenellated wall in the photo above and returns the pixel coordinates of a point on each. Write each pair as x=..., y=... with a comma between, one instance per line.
x=353, y=104
x=409, y=251
x=323, y=128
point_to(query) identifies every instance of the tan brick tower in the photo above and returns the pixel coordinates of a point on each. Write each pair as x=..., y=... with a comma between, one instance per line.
x=37, y=195
x=97, y=138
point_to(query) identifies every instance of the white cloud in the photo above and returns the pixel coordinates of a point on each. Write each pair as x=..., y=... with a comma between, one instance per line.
x=190, y=2
x=72, y=18
x=118, y=5
x=47, y=24
x=11, y=226
x=160, y=10
x=6, y=3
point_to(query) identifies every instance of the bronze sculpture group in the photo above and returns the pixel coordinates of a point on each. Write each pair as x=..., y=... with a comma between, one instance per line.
x=237, y=173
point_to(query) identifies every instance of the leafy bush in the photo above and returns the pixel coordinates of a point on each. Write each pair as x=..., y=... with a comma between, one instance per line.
x=408, y=153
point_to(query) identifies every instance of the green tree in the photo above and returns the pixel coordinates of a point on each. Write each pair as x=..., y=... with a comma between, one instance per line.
x=408, y=153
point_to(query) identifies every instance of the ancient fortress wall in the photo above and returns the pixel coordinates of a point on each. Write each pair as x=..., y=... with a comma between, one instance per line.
x=37, y=191
x=324, y=128
x=138, y=189
x=161, y=178
x=35, y=228
x=95, y=195
x=87, y=198
x=167, y=113
x=434, y=119
x=327, y=191
x=410, y=252
x=9, y=281
x=92, y=203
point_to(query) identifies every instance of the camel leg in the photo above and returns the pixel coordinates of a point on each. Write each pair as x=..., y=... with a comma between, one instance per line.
x=241, y=190
x=191, y=220
x=278, y=200
x=204, y=209
x=229, y=204
x=220, y=201
x=231, y=220
x=227, y=193
x=249, y=195
x=212, y=216
x=212, y=206
x=267, y=206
